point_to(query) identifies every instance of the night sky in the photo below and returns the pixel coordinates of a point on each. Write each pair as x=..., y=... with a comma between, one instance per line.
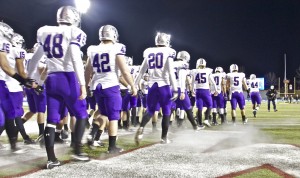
x=251, y=33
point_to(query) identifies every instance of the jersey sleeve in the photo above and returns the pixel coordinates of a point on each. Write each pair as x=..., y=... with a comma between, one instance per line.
x=78, y=37
x=19, y=53
x=39, y=35
x=121, y=49
x=5, y=46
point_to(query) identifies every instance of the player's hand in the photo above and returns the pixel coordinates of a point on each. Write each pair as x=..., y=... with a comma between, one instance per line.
x=140, y=93
x=29, y=83
x=193, y=94
x=39, y=90
x=89, y=92
x=216, y=93
x=182, y=96
x=175, y=96
x=133, y=91
x=82, y=92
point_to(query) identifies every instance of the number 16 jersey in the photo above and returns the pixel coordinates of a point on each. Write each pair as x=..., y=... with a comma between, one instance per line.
x=56, y=41
x=103, y=61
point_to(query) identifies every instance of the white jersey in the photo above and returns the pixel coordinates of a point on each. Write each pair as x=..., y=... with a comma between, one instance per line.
x=145, y=86
x=5, y=46
x=159, y=62
x=253, y=85
x=180, y=67
x=15, y=53
x=236, y=81
x=103, y=60
x=219, y=78
x=202, y=78
x=42, y=64
x=56, y=41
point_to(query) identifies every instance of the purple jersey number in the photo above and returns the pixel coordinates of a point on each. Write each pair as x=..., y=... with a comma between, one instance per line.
x=201, y=77
x=53, y=46
x=5, y=47
x=254, y=84
x=236, y=81
x=217, y=80
x=155, y=60
x=101, y=62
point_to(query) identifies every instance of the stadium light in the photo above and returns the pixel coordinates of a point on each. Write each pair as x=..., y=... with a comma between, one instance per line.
x=82, y=5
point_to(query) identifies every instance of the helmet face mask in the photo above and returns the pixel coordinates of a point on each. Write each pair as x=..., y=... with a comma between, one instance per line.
x=68, y=15
x=18, y=41
x=219, y=69
x=162, y=39
x=184, y=56
x=6, y=31
x=109, y=32
x=234, y=68
x=201, y=63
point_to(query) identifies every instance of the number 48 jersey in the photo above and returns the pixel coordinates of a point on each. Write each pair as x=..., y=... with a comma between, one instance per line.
x=103, y=60
x=158, y=61
x=55, y=41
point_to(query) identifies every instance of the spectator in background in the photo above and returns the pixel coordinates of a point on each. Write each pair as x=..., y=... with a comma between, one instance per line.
x=297, y=98
x=271, y=94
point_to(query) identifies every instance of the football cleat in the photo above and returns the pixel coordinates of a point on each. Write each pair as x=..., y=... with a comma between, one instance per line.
x=52, y=164
x=64, y=134
x=138, y=135
x=206, y=122
x=165, y=141
x=18, y=150
x=254, y=113
x=29, y=141
x=114, y=150
x=80, y=157
x=98, y=144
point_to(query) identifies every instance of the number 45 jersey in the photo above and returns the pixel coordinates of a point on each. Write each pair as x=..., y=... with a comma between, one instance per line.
x=159, y=61
x=103, y=60
x=202, y=78
x=55, y=41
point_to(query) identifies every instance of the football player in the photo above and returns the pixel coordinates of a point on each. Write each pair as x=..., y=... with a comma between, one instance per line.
x=235, y=83
x=105, y=59
x=218, y=101
x=7, y=112
x=254, y=93
x=65, y=84
x=183, y=102
x=159, y=62
x=202, y=79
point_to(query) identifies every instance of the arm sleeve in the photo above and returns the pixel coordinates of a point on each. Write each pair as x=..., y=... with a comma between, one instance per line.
x=77, y=63
x=182, y=79
x=170, y=68
x=143, y=69
x=35, y=61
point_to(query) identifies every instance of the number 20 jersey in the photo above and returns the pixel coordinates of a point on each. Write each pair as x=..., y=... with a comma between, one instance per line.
x=56, y=41
x=103, y=60
x=158, y=60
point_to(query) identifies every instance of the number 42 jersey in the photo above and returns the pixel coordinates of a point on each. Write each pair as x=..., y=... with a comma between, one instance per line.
x=103, y=60
x=56, y=41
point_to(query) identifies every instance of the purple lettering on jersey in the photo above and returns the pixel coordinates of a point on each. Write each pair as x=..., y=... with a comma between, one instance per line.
x=102, y=65
x=236, y=81
x=5, y=47
x=217, y=80
x=22, y=55
x=53, y=49
x=155, y=60
x=201, y=77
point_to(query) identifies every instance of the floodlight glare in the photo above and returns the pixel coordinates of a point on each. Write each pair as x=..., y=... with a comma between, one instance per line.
x=82, y=5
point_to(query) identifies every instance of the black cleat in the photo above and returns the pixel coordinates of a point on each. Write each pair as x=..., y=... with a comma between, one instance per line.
x=29, y=141
x=52, y=164
x=81, y=157
x=114, y=150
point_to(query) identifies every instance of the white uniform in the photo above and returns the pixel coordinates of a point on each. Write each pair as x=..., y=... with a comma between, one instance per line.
x=145, y=86
x=180, y=70
x=219, y=78
x=103, y=60
x=56, y=41
x=253, y=85
x=159, y=62
x=5, y=46
x=203, y=79
x=236, y=81
x=15, y=53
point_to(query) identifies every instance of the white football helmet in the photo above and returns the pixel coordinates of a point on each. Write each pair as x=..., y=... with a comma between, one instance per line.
x=17, y=40
x=200, y=63
x=69, y=15
x=162, y=39
x=252, y=76
x=184, y=56
x=234, y=67
x=108, y=32
x=219, y=69
x=6, y=31
x=128, y=60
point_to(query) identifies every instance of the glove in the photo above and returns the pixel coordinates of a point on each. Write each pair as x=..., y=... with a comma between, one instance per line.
x=175, y=96
x=27, y=82
x=39, y=90
x=140, y=93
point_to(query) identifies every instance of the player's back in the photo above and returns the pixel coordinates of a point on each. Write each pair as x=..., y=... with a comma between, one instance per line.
x=253, y=85
x=236, y=81
x=219, y=78
x=56, y=41
x=156, y=59
x=103, y=60
x=201, y=77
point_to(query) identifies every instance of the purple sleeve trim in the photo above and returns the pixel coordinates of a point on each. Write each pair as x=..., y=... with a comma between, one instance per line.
x=120, y=54
x=75, y=44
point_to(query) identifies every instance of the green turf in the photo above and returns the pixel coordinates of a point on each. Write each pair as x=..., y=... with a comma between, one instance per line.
x=262, y=173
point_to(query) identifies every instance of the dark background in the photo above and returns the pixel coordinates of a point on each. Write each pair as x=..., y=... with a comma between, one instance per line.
x=254, y=34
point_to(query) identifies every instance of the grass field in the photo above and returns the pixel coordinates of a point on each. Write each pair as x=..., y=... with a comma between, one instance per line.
x=281, y=127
